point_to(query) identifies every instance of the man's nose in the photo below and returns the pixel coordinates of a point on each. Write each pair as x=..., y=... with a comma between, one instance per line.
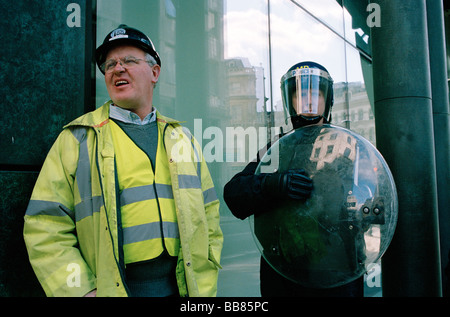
x=119, y=68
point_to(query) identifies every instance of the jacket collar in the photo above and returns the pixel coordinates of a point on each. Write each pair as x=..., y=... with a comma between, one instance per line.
x=100, y=117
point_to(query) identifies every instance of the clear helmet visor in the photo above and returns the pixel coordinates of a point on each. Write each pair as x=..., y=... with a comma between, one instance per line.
x=305, y=92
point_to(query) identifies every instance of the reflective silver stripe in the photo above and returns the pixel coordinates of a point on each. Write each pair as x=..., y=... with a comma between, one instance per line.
x=209, y=195
x=88, y=204
x=135, y=194
x=79, y=133
x=189, y=135
x=164, y=191
x=48, y=208
x=188, y=181
x=87, y=207
x=141, y=193
x=83, y=173
x=150, y=231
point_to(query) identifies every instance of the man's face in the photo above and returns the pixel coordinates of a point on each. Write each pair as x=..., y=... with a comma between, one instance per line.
x=131, y=87
x=310, y=113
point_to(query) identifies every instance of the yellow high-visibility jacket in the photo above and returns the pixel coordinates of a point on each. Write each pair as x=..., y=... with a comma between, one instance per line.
x=146, y=235
x=72, y=224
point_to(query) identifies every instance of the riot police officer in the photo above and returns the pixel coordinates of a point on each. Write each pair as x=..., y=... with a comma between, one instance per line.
x=307, y=91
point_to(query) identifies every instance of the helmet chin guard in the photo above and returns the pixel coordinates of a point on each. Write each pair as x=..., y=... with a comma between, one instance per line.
x=302, y=121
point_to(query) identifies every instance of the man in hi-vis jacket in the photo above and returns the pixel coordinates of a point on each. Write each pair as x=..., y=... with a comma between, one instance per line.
x=124, y=204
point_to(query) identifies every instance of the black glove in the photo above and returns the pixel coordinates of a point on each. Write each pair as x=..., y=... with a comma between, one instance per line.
x=293, y=183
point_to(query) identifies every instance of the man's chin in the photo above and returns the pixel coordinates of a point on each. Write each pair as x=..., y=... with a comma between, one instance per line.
x=124, y=104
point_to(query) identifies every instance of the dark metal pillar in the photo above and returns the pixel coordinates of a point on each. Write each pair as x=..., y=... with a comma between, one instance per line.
x=404, y=124
x=49, y=66
x=438, y=67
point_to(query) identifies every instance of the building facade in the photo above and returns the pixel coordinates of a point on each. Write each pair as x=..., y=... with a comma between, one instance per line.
x=222, y=61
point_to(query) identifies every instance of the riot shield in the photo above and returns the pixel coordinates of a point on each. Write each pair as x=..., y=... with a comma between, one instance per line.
x=346, y=225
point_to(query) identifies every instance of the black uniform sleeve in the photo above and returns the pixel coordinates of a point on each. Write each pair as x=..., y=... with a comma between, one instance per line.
x=242, y=193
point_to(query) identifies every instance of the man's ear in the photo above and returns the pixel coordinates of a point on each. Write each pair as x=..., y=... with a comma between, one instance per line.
x=156, y=70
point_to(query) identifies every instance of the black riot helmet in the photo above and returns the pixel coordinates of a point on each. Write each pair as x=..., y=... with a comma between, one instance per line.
x=307, y=90
x=125, y=35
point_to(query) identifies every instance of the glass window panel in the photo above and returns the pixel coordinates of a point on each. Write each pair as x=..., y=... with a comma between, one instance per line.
x=360, y=92
x=329, y=12
x=217, y=77
x=297, y=37
x=246, y=47
x=357, y=32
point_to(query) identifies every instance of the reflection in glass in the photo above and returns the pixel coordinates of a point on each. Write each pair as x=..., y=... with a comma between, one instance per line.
x=328, y=12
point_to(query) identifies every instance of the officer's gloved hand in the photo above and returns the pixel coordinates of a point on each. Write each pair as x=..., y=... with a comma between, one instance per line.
x=293, y=183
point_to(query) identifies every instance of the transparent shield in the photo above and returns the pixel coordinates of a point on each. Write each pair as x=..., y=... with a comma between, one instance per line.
x=348, y=222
